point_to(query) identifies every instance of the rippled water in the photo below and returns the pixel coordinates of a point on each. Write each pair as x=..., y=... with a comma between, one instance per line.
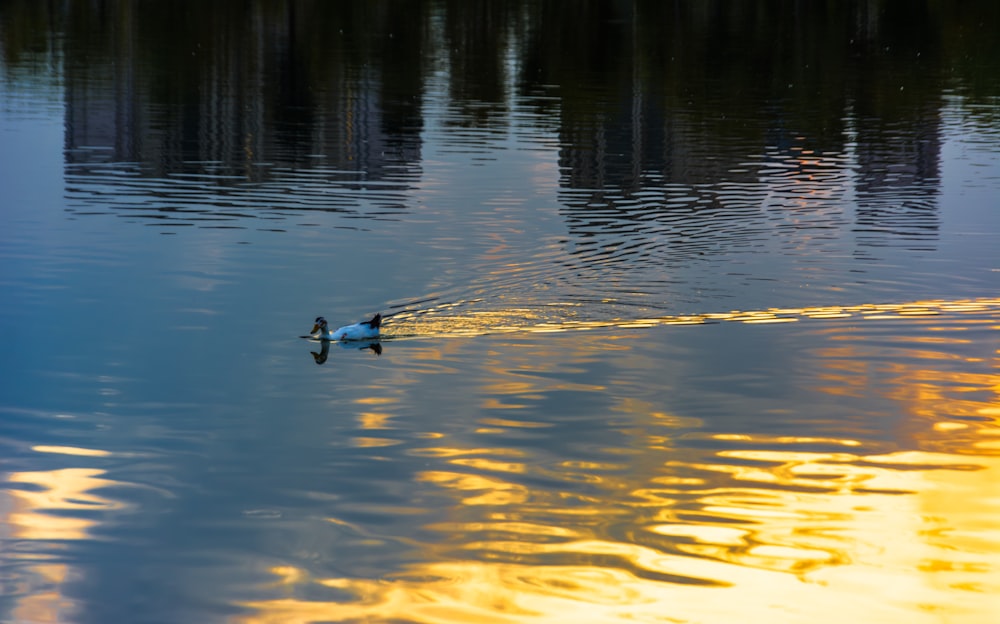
x=690, y=312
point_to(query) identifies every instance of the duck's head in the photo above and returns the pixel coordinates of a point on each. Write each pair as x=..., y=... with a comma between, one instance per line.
x=319, y=326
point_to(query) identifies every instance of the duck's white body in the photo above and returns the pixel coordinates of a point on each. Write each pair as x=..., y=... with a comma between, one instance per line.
x=365, y=330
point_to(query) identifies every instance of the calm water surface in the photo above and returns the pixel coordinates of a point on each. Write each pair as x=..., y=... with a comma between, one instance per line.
x=692, y=312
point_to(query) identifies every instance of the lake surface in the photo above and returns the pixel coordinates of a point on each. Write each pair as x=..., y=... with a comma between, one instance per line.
x=692, y=312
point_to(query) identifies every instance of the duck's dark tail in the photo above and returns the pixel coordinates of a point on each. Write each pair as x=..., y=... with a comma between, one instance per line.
x=376, y=321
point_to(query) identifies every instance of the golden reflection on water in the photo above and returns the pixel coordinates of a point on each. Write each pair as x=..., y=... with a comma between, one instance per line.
x=863, y=557
x=51, y=506
x=684, y=524
x=35, y=514
x=851, y=556
x=448, y=319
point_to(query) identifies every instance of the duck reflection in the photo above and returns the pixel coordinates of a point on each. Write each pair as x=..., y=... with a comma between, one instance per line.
x=362, y=345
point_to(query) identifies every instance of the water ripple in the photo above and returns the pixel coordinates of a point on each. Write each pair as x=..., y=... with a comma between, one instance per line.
x=205, y=199
x=436, y=319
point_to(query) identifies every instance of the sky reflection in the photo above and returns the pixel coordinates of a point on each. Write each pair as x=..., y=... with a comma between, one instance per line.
x=862, y=556
x=690, y=311
x=688, y=520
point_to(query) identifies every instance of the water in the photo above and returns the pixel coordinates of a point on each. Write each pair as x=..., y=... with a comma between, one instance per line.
x=691, y=312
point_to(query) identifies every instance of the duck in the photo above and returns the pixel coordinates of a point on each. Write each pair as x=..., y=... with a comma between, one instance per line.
x=365, y=330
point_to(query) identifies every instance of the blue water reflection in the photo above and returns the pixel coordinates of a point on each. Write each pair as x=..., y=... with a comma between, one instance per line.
x=690, y=312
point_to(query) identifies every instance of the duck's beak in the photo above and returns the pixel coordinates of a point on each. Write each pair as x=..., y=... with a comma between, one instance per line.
x=315, y=328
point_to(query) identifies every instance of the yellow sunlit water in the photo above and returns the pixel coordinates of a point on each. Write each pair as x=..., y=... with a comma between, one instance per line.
x=70, y=450
x=34, y=513
x=442, y=322
x=674, y=522
x=58, y=506
x=867, y=555
x=686, y=525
